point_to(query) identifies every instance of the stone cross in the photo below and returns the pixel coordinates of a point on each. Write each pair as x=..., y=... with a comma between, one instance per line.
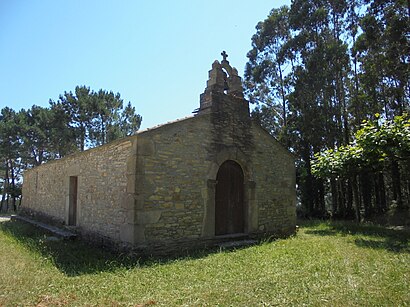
x=224, y=55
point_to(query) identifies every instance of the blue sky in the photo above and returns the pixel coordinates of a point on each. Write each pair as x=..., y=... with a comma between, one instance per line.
x=156, y=54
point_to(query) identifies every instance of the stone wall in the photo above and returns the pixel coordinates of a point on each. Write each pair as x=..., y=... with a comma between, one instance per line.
x=171, y=178
x=275, y=177
x=102, y=186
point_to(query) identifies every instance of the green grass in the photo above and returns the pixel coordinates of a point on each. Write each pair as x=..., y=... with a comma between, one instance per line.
x=325, y=264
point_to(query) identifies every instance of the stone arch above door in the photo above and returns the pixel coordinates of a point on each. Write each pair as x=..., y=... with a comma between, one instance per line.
x=233, y=154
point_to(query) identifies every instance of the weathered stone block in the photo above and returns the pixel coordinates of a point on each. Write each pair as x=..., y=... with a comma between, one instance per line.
x=132, y=164
x=127, y=233
x=179, y=206
x=148, y=217
x=146, y=147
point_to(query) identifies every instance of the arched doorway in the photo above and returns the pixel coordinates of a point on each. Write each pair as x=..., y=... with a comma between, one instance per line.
x=229, y=199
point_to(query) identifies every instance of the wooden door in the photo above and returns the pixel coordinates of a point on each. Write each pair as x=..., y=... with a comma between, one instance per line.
x=72, y=205
x=229, y=202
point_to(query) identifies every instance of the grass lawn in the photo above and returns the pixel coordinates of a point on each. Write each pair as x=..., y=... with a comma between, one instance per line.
x=325, y=264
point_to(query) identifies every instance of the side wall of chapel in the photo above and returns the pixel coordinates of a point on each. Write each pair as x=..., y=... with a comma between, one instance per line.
x=101, y=194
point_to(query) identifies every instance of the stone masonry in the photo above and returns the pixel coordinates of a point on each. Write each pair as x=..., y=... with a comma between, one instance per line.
x=156, y=189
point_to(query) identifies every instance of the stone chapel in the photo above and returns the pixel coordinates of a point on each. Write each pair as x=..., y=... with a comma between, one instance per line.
x=207, y=178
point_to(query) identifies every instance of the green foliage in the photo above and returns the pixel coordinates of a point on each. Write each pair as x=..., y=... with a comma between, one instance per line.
x=265, y=78
x=316, y=70
x=35, y=134
x=75, y=122
x=374, y=144
x=8, y=134
x=96, y=118
x=10, y=162
x=325, y=264
x=383, y=51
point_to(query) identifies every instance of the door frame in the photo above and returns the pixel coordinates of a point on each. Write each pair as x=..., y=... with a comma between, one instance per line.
x=208, y=194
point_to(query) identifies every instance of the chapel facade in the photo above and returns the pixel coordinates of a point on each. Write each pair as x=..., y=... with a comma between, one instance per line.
x=214, y=176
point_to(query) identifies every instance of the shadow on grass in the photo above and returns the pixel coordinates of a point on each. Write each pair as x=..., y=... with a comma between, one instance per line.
x=76, y=257
x=367, y=235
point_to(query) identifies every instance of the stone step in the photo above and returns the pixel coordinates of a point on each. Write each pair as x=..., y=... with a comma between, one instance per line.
x=4, y=218
x=236, y=244
x=62, y=233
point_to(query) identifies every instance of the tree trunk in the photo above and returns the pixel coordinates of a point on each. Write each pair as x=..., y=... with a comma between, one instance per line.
x=349, y=200
x=320, y=198
x=282, y=93
x=4, y=198
x=366, y=190
x=341, y=188
x=307, y=191
x=381, y=190
x=408, y=189
x=13, y=185
x=82, y=137
x=335, y=205
x=396, y=181
x=307, y=184
x=356, y=199
x=377, y=202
